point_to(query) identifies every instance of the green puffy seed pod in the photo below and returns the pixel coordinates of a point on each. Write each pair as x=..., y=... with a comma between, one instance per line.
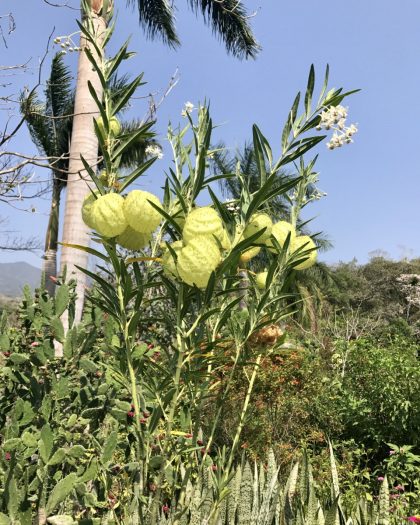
x=261, y=280
x=140, y=214
x=168, y=261
x=133, y=240
x=203, y=221
x=114, y=126
x=250, y=253
x=304, y=243
x=257, y=222
x=280, y=231
x=197, y=260
x=108, y=215
x=87, y=210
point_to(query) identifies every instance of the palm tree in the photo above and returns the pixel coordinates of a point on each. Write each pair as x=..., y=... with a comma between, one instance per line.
x=305, y=286
x=228, y=19
x=50, y=125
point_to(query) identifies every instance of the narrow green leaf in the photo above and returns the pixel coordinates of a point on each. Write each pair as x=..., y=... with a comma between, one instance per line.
x=136, y=173
x=126, y=94
x=259, y=155
x=309, y=90
x=86, y=249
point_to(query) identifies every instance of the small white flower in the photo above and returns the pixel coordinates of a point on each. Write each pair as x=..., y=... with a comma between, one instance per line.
x=153, y=150
x=188, y=108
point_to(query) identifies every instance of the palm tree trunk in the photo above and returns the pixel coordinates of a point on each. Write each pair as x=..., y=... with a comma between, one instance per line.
x=49, y=265
x=83, y=142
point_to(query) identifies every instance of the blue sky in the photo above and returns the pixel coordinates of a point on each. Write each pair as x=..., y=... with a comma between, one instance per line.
x=372, y=185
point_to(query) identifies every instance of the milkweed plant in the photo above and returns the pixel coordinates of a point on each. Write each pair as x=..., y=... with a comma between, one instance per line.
x=170, y=263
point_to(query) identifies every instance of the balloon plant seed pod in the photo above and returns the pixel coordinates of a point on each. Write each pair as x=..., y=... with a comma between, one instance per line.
x=108, y=215
x=140, y=214
x=114, y=126
x=261, y=280
x=249, y=254
x=258, y=222
x=197, y=260
x=203, y=221
x=280, y=231
x=301, y=245
x=133, y=240
x=87, y=209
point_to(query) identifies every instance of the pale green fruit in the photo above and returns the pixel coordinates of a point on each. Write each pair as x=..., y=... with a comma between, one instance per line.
x=261, y=280
x=133, y=240
x=301, y=244
x=168, y=261
x=87, y=209
x=114, y=126
x=197, y=260
x=203, y=221
x=248, y=254
x=280, y=231
x=257, y=222
x=108, y=215
x=140, y=214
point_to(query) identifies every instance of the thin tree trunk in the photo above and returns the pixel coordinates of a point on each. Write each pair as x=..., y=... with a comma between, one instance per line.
x=83, y=142
x=49, y=265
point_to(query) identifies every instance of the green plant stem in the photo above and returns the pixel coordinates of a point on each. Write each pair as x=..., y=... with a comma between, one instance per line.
x=170, y=417
x=124, y=324
x=243, y=413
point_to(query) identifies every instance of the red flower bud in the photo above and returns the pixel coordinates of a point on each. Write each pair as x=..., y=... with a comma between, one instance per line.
x=146, y=413
x=8, y=456
x=200, y=442
x=214, y=468
x=143, y=420
x=130, y=414
x=6, y=354
x=165, y=508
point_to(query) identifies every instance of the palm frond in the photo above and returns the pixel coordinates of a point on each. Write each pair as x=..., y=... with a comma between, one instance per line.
x=59, y=91
x=229, y=21
x=158, y=20
x=34, y=112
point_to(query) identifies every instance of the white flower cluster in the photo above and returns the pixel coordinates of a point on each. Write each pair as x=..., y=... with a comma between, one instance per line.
x=232, y=207
x=154, y=150
x=66, y=44
x=334, y=118
x=188, y=107
x=409, y=284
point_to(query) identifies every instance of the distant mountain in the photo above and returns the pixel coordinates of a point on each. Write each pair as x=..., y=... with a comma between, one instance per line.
x=14, y=276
